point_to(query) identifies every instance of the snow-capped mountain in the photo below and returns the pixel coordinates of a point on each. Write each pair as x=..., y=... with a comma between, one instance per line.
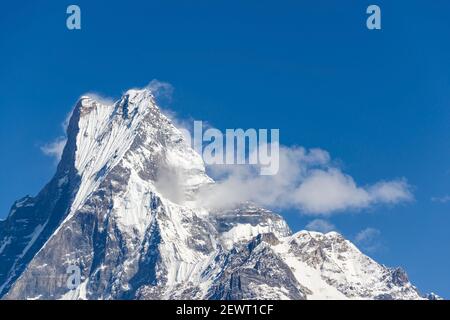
x=120, y=208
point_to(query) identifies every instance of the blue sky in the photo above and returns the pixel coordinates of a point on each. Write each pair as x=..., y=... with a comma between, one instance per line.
x=377, y=101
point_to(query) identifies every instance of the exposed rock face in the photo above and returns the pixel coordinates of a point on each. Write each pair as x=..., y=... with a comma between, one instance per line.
x=120, y=208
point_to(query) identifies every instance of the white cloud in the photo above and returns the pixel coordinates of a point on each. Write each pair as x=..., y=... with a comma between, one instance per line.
x=369, y=239
x=367, y=234
x=182, y=124
x=65, y=123
x=162, y=91
x=55, y=148
x=307, y=181
x=391, y=191
x=320, y=225
x=329, y=190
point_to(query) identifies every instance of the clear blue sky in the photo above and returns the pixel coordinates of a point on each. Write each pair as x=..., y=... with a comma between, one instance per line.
x=379, y=101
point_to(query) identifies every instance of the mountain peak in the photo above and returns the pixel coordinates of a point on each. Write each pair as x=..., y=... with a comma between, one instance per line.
x=139, y=93
x=141, y=99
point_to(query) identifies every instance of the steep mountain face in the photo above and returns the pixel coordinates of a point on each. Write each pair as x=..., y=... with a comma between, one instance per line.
x=121, y=209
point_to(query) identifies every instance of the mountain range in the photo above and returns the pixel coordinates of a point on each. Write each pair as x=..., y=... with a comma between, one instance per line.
x=107, y=213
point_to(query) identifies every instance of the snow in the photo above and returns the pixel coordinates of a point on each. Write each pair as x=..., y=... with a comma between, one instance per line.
x=244, y=232
x=4, y=244
x=22, y=203
x=62, y=181
x=344, y=273
x=183, y=263
x=132, y=208
x=76, y=294
x=309, y=277
x=103, y=142
x=33, y=236
x=270, y=293
x=103, y=139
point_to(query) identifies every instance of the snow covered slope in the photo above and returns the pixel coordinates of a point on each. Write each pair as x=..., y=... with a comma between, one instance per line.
x=119, y=208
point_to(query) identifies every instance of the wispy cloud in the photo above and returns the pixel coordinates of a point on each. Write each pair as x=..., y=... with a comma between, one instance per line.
x=443, y=199
x=369, y=239
x=320, y=225
x=162, y=91
x=367, y=235
x=55, y=148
